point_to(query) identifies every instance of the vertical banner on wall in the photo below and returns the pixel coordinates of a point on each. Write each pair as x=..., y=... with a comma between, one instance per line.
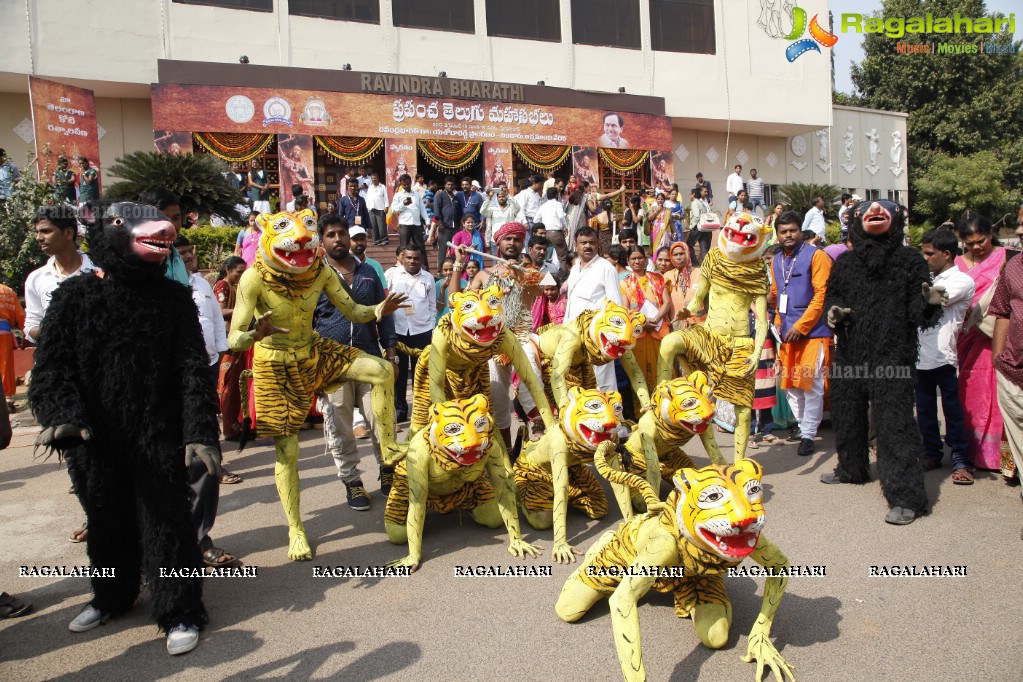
x=584, y=164
x=399, y=159
x=295, y=153
x=172, y=141
x=662, y=170
x=498, y=164
x=64, y=119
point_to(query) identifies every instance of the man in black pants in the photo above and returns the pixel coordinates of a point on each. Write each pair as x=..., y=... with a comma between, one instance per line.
x=409, y=207
x=448, y=212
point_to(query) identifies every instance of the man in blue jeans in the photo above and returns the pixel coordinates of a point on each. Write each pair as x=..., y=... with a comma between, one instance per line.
x=938, y=363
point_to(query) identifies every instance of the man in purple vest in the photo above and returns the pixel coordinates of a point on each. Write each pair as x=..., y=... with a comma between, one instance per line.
x=799, y=278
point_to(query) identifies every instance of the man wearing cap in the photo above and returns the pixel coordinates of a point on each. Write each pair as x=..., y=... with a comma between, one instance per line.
x=522, y=287
x=359, y=242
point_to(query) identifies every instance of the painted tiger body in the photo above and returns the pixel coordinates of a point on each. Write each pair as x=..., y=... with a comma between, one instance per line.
x=452, y=464
x=551, y=473
x=709, y=523
x=680, y=409
x=455, y=364
x=293, y=363
x=733, y=278
x=597, y=337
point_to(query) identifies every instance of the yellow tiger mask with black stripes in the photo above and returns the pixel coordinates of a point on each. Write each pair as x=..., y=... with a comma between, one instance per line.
x=462, y=429
x=721, y=508
x=478, y=315
x=290, y=241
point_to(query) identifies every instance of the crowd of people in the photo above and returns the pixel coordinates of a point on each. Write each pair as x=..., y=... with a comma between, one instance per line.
x=557, y=248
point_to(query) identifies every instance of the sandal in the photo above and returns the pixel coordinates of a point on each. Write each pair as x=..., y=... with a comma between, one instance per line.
x=212, y=558
x=229, y=478
x=80, y=534
x=771, y=439
x=962, y=476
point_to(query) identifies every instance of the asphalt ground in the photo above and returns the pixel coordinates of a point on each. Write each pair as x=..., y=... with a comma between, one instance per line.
x=435, y=625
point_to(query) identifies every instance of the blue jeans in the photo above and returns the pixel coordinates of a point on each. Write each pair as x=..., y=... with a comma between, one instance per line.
x=758, y=201
x=765, y=422
x=944, y=379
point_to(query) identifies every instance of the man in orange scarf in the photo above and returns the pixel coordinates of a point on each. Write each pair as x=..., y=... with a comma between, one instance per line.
x=799, y=284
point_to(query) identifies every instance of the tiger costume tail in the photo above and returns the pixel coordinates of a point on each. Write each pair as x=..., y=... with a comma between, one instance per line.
x=623, y=478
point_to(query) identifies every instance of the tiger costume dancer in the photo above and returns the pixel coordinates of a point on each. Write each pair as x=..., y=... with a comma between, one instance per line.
x=733, y=278
x=551, y=473
x=709, y=523
x=597, y=337
x=291, y=362
x=680, y=409
x=447, y=468
x=456, y=363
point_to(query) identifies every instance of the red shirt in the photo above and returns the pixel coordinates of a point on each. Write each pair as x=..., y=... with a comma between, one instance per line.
x=1007, y=303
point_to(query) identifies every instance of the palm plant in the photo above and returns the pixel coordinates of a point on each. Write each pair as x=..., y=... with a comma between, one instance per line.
x=198, y=179
x=799, y=196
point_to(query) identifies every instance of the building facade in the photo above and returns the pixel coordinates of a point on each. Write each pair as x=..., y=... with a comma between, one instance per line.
x=712, y=75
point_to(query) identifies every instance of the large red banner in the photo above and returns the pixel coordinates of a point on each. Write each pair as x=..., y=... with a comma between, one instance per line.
x=64, y=118
x=498, y=164
x=208, y=108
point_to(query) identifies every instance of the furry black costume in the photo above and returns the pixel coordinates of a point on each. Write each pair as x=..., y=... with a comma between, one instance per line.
x=121, y=387
x=878, y=298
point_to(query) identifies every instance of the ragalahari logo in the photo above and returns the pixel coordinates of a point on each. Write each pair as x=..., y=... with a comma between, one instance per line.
x=819, y=37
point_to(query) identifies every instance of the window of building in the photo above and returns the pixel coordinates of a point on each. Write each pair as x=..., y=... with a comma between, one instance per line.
x=254, y=5
x=529, y=19
x=682, y=26
x=607, y=23
x=770, y=192
x=349, y=10
x=873, y=194
x=896, y=195
x=440, y=15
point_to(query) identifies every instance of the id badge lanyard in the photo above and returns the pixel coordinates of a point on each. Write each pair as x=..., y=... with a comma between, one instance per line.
x=783, y=298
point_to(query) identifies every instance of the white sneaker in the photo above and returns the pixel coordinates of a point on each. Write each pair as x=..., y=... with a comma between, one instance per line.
x=89, y=618
x=181, y=639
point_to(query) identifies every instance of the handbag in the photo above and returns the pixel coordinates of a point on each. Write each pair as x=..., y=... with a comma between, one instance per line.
x=709, y=222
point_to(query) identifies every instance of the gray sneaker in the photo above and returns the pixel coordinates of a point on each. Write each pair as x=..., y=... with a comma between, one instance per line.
x=89, y=618
x=181, y=639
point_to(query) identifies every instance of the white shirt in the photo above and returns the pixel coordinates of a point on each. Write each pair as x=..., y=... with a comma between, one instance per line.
x=363, y=180
x=529, y=203
x=552, y=215
x=938, y=344
x=40, y=285
x=590, y=285
x=413, y=214
x=497, y=216
x=733, y=184
x=376, y=197
x=211, y=319
x=421, y=290
x=814, y=220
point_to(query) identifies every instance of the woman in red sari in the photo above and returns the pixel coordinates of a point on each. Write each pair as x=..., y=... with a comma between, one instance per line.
x=645, y=292
x=982, y=260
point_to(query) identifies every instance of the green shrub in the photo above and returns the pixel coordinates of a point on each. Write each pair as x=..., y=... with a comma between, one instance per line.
x=19, y=253
x=833, y=231
x=213, y=245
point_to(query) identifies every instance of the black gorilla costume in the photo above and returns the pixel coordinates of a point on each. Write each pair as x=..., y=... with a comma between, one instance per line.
x=880, y=286
x=121, y=388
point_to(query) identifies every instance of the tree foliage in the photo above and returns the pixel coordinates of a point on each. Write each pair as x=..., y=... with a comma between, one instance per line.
x=198, y=179
x=19, y=253
x=958, y=104
x=955, y=183
x=799, y=196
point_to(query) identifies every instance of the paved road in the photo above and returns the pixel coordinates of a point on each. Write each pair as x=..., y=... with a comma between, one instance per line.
x=436, y=626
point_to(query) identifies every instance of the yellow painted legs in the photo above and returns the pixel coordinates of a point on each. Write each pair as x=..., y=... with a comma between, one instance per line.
x=286, y=476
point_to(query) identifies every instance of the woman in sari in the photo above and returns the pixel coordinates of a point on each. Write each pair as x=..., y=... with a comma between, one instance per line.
x=646, y=292
x=659, y=223
x=248, y=241
x=681, y=283
x=232, y=364
x=982, y=260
